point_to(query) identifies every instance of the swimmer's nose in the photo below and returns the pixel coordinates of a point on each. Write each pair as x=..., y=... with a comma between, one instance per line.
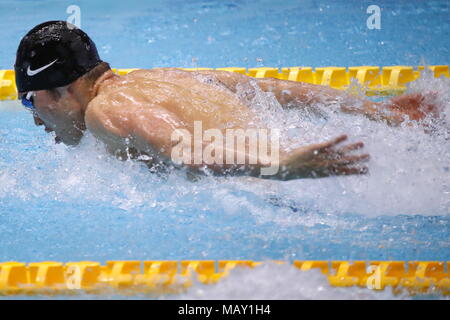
x=38, y=121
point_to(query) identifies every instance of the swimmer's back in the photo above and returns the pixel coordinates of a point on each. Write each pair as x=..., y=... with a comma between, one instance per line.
x=191, y=96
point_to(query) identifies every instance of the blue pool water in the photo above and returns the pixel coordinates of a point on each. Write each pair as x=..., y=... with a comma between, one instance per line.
x=247, y=33
x=68, y=204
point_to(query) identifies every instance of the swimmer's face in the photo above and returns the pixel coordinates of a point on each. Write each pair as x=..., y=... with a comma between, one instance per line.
x=59, y=111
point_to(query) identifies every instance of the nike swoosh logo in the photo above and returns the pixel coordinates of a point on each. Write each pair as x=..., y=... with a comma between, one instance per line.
x=36, y=71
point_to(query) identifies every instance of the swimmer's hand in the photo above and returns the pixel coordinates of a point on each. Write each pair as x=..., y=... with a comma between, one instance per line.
x=323, y=160
x=415, y=105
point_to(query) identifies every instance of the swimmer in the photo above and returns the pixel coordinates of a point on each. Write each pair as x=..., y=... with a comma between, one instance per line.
x=70, y=90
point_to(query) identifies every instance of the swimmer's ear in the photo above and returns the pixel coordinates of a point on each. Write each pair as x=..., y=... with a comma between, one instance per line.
x=54, y=93
x=57, y=93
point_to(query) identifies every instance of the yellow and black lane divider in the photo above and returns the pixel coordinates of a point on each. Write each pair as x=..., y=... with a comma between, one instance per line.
x=158, y=277
x=374, y=80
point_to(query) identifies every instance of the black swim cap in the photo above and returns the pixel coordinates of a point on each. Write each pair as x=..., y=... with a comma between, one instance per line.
x=53, y=54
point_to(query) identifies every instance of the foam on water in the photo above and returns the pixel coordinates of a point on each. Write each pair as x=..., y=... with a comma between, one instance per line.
x=271, y=281
x=409, y=169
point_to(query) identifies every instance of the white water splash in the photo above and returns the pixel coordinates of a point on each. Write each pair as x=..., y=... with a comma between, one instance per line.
x=271, y=281
x=409, y=171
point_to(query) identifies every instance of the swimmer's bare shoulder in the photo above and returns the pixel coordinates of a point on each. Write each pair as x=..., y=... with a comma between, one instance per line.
x=100, y=121
x=121, y=117
x=231, y=80
x=160, y=74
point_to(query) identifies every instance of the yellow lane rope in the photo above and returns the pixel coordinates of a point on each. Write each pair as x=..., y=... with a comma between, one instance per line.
x=52, y=277
x=388, y=80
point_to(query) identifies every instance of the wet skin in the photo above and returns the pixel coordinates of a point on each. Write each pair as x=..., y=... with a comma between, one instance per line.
x=140, y=111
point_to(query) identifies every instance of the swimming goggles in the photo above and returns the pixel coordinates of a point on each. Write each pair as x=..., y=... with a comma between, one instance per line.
x=27, y=101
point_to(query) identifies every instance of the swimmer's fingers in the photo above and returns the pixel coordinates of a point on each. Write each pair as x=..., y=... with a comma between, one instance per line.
x=348, y=160
x=327, y=145
x=339, y=171
x=315, y=151
x=343, y=166
x=350, y=147
x=324, y=159
x=342, y=153
x=325, y=152
x=345, y=171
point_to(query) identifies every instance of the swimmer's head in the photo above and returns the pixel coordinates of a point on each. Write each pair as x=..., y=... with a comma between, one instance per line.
x=56, y=66
x=53, y=54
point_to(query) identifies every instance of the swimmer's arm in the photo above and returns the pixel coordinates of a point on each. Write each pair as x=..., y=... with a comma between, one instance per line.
x=414, y=106
x=311, y=161
x=153, y=130
x=288, y=93
x=293, y=94
x=158, y=130
x=298, y=94
x=134, y=124
x=127, y=120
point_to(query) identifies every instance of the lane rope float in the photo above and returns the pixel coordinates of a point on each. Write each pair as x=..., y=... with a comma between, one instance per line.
x=51, y=277
x=374, y=80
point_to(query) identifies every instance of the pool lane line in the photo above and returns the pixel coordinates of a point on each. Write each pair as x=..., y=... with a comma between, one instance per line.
x=163, y=277
x=371, y=80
